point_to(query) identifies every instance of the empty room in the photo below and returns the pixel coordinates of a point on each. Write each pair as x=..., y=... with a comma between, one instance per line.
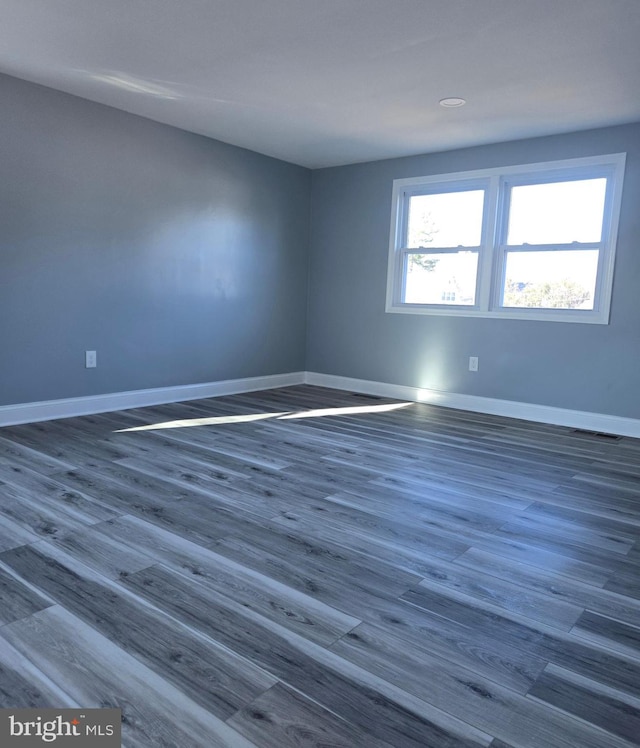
x=319, y=373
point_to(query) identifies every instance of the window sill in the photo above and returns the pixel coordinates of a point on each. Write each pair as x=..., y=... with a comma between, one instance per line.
x=538, y=315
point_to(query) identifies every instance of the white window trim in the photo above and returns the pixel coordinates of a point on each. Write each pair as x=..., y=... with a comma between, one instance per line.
x=491, y=254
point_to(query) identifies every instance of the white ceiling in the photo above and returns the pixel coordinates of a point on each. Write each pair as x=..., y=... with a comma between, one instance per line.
x=328, y=82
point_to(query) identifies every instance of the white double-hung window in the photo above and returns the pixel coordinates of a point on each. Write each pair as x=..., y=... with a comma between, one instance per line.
x=533, y=242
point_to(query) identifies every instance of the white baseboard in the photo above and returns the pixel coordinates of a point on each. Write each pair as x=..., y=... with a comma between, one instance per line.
x=82, y=406
x=576, y=419
x=79, y=406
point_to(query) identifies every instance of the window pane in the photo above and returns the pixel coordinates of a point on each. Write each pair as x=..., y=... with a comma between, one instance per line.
x=447, y=219
x=551, y=280
x=441, y=278
x=557, y=212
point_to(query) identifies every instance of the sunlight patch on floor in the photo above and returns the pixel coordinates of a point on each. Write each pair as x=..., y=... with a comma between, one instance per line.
x=286, y=415
x=212, y=421
x=354, y=410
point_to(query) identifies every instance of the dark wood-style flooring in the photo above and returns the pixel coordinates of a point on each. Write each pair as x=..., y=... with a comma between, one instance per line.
x=307, y=567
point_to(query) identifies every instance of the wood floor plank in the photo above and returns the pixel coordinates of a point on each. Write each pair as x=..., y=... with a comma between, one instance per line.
x=443, y=542
x=209, y=675
x=505, y=595
x=254, y=589
x=17, y=455
x=350, y=692
x=284, y=718
x=625, y=583
x=440, y=511
x=334, y=565
x=609, y=633
x=591, y=660
x=160, y=447
x=14, y=533
x=60, y=441
x=57, y=499
x=328, y=521
x=557, y=586
x=544, y=533
x=497, y=710
x=110, y=557
x=582, y=519
x=492, y=484
x=42, y=517
x=450, y=488
x=615, y=712
x=95, y=673
x=274, y=491
x=17, y=599
x=201, y=439
x=582, y=548
x=611, y=506
x=209, y=480
x=254, y=451
x=179, y=510
x=24, y=685
x=419, y=629
x=594, y=549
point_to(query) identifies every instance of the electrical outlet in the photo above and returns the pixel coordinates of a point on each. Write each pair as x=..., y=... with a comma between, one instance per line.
x=473, y=363
x=90, y=359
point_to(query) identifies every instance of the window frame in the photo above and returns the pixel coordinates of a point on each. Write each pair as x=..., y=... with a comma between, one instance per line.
x=493, y=250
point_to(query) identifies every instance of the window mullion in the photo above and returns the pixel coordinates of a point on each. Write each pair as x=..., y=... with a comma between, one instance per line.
x=486, y=259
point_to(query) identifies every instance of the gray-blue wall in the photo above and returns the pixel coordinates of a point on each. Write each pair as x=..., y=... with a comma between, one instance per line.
x=585, y=367
x=178, y=258
x=184, y=260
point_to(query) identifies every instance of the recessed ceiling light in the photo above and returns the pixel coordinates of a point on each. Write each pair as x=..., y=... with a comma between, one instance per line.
x=451, y=102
